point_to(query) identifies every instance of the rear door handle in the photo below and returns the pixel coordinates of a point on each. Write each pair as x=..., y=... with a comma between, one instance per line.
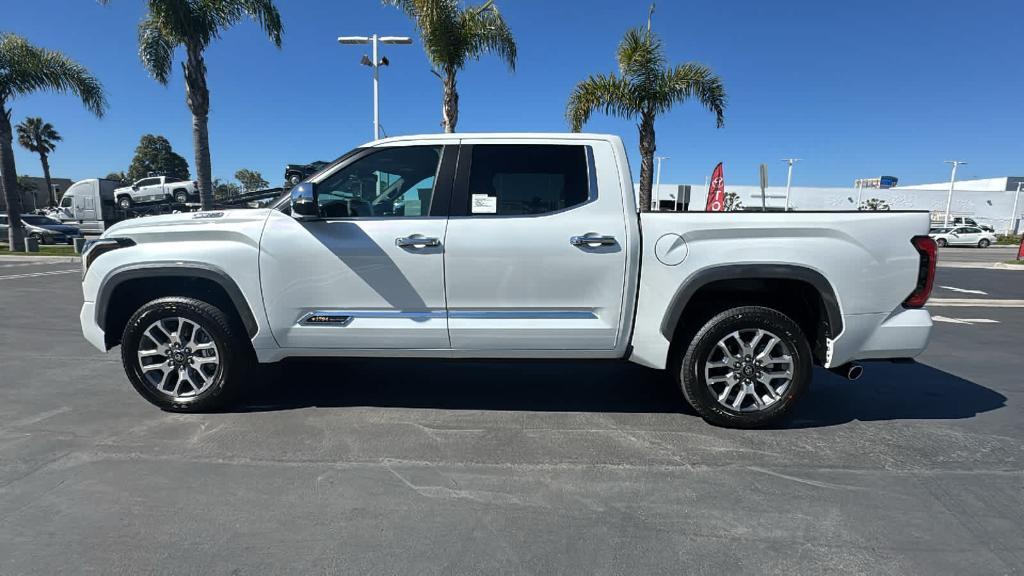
x=416, y=241
x=592, y=240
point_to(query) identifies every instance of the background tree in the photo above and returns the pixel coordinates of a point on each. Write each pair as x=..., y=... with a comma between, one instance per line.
x=40, y=137
x=874, y=204
x=25, y=69
x=643, y=89
x=224, y=190
x=194, y=25
x=117, y=177
x=452, y=36
x=251, y=180
x=27, y=189
x=732, y=202
x=154, y=155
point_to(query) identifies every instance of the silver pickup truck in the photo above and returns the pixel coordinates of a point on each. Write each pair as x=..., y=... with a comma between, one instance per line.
x=507, y=246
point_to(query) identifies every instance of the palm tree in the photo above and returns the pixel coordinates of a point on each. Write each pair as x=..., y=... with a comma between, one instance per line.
x=193, y=25
x=25, y=69
x=452, y=35
x=645, y=88
x=40, y=137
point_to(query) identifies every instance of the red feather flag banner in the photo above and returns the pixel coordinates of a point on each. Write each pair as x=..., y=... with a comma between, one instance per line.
x=716, y=191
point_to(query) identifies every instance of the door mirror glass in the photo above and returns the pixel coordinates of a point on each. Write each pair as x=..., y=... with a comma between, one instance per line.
x=304, y=201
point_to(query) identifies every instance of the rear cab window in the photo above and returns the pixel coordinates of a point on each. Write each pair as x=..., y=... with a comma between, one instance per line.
x=523, y=179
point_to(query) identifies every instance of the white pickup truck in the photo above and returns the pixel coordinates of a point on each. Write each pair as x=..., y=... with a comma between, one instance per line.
x=507, y=246
x=156, y=189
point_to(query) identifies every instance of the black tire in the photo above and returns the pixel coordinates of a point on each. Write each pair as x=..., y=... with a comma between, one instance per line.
x=941, y=243
x=691, y=373
x=40, y=239
x=180, y=196
x=983, y=243
x=125, y=202
x=235, y=352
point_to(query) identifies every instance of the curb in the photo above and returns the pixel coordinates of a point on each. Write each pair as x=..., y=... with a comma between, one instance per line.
x=41, y=259
x=1005, y=266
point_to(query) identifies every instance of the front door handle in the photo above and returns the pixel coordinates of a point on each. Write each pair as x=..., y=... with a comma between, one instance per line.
x=416, y=241
x=592, y=240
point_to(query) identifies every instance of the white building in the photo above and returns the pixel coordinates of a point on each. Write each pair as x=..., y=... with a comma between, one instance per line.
x=989, y=201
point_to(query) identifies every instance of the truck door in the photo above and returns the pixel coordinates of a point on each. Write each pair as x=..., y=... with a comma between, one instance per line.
x=369, y=274
x=534, y=256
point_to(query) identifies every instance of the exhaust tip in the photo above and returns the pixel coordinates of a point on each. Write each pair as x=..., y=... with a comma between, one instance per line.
x=855, y=372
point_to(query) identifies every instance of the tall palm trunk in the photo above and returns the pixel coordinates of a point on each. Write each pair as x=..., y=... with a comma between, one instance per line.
x=197, y=96
x=647, y=148
x=46, y=175
x=15, y=234
x=450, y=104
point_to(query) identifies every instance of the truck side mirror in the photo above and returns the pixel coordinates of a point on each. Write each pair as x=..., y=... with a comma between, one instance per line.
x=304, y=204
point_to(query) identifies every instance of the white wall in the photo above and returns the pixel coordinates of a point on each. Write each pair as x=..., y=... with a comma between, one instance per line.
x=987, y=207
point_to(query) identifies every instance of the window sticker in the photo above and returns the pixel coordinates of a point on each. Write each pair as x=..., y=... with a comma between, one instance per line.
x=484, y=204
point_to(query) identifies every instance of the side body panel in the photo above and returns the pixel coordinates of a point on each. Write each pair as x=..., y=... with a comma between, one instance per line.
x=227, y=245
x=866, y=257
x=516, y=283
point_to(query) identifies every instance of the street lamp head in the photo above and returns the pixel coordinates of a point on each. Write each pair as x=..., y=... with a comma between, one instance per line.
x=395, y=40
x=365, y=60
x=353, y=40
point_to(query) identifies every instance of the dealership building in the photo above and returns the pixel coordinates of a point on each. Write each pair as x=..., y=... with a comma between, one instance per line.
x=988, y=200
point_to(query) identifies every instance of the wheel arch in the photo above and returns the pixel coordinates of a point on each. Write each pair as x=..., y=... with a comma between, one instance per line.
x=123, y=291
x=799, y=291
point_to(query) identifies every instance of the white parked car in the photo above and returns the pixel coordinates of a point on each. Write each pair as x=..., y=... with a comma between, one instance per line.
x=507, y=246
x=156, y=189
x=962, y=236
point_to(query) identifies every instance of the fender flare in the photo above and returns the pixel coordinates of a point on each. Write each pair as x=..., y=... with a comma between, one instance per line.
x=752, y=272
x=187, y=270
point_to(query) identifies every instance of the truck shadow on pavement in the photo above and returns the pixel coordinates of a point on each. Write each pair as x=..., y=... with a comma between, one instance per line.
x=887, y=391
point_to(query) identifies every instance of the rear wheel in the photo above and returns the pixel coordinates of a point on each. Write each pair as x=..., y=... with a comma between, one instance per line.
x=180, y=196
x=941, y=243
x=185, y=355
x=983, y=243
x=746, y=367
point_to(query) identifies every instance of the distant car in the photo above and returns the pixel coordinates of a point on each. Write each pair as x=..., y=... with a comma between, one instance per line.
x=957, y=221
x=962, y=236
x=156, y=189
x=295, y=173
x=44, y=229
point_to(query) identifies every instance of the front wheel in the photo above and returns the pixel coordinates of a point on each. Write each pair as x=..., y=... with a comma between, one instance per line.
x=941, y=243
x=180, y=197
x=39, y=238
x=185, y=355
x=746, y=367
x=983, y=243
x=125, y=203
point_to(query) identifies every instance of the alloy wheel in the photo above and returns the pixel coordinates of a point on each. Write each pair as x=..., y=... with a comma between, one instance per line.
x=749, y=370
x=178, y=357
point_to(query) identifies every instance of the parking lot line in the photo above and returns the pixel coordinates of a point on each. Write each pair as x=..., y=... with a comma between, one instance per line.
x=977, y=302
x=37, y=274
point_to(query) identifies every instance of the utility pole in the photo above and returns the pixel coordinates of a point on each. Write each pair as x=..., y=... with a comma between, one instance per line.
x=657, y=184
x=789, y=177
x=952, y=182
x=1013, y=215
x=376, y=63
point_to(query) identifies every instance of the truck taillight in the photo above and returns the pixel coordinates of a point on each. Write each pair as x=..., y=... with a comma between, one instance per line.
x=925, y=273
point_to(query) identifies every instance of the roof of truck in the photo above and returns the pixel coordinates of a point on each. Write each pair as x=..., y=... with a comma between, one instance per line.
x=496, y=136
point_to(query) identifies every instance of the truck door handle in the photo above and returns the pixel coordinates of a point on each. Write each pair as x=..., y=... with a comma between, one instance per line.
x=592, y=239
x=416, y=241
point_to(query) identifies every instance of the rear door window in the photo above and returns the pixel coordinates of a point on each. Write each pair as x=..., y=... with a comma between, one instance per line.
x=526, y=179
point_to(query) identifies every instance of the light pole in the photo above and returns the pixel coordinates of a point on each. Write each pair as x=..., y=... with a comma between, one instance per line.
x=1013, y=215
x=952, y=182
x=657, y=183
x=789, y=177
x=376, y=63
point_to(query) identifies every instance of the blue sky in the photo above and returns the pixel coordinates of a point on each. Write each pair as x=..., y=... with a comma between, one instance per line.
x=855, y=89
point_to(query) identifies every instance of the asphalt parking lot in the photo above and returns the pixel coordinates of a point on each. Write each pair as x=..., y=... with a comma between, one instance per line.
x=387, y=467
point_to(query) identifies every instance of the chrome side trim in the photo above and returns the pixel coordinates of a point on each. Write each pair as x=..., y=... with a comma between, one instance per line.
x=523, y=314
x=344, y=317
